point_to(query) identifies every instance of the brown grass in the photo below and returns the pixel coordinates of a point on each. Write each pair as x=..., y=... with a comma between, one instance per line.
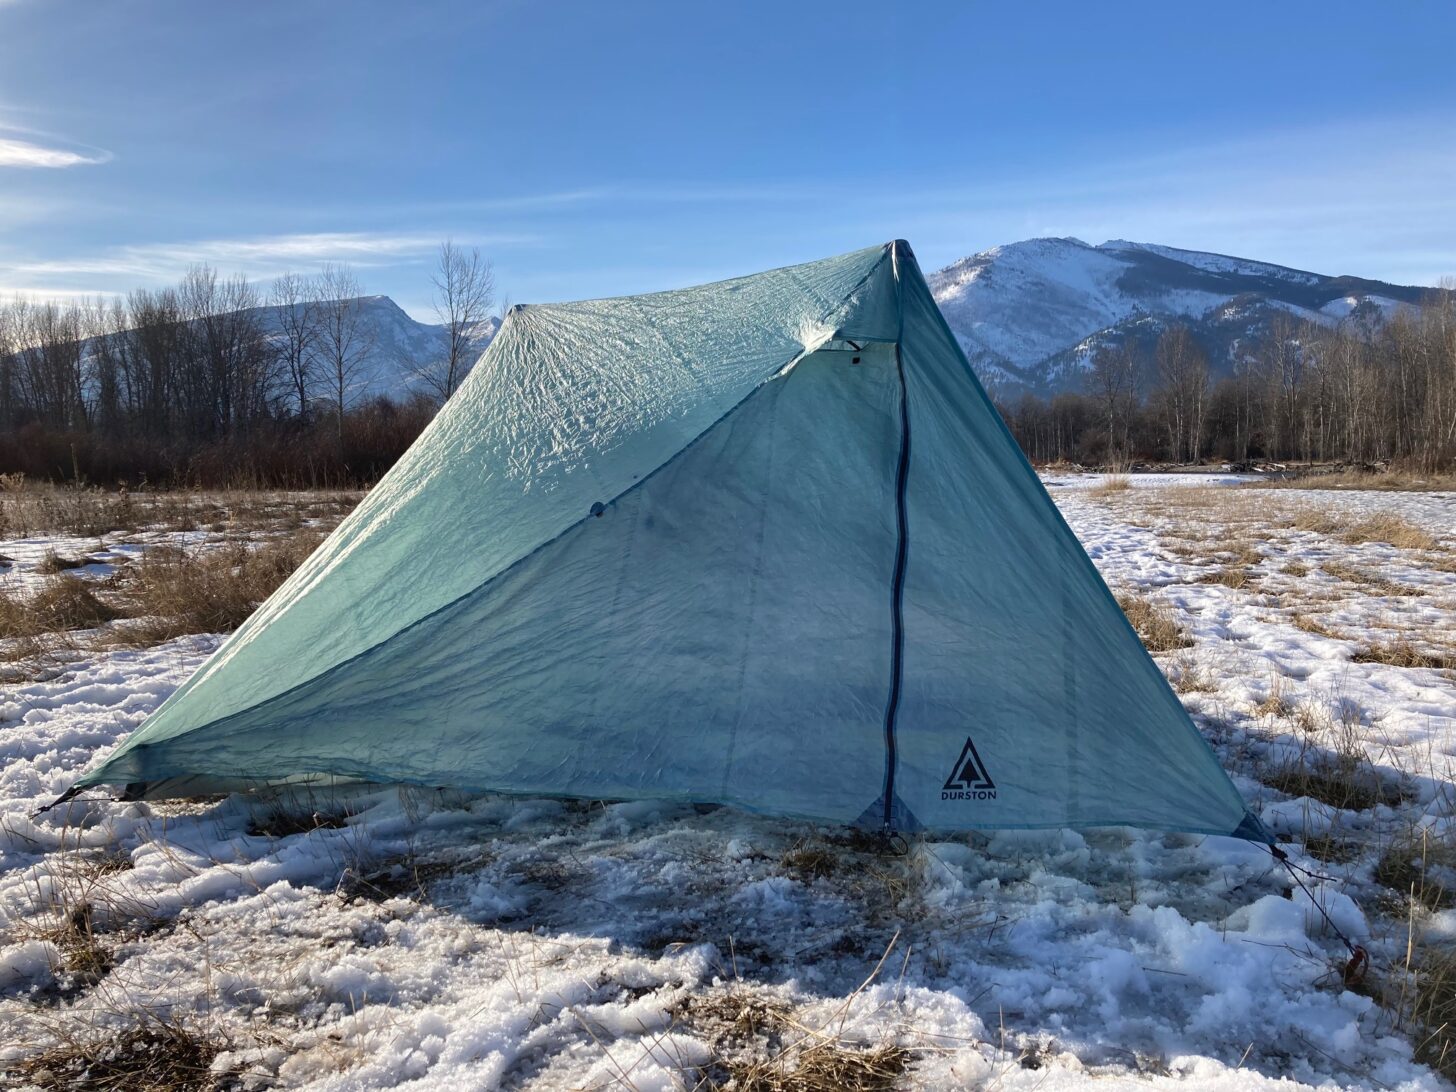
x=65, y=602
x=1275, y=704
x=1430, y=1007
x=1377, y=584
x=1339, y=781
x=1353, y=530
x=1230, y=576
x=1154, y=623
x=1110, y=485
x=823, y=1067
x=1189, y=676
x=153, y=1053
x=173, y=592
x=29, y=508
x=1386, y=481
x=1416, y=866
x=1295, y=568
x=1310, y=624
x=1401, y=653
x=746, y=1031
x=810, y=862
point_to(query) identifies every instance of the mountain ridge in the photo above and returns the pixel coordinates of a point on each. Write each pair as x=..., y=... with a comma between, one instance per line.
x=1030, y=315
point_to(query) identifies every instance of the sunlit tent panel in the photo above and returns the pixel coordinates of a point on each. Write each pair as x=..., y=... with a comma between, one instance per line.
x=763, y=542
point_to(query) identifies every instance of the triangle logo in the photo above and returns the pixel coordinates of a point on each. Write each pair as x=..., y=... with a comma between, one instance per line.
x=969, y=774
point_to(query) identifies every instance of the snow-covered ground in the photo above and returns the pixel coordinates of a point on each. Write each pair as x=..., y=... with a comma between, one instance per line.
x=436, y=941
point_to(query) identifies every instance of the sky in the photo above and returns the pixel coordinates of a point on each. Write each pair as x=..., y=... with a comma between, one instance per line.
x=590, y=148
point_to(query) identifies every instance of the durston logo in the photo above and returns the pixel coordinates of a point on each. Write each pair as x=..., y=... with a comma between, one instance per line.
x=969, y=780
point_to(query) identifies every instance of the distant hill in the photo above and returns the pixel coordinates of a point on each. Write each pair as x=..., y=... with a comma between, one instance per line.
x=402, y=347
x=1030, y=315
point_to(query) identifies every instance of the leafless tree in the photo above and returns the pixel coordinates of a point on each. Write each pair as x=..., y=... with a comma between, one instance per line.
x=1112, y=377
x=296, y=314
x=345, y=341
x=464, y=291
x=1183, y=374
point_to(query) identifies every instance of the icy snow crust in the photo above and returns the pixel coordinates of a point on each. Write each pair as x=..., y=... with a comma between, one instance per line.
x=441, y=941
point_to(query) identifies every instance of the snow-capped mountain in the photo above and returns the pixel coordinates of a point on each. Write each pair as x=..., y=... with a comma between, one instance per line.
x=401, y=349
x=1030, y=315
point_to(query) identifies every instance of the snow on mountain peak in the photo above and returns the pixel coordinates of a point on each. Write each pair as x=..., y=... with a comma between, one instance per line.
x=1029, y=314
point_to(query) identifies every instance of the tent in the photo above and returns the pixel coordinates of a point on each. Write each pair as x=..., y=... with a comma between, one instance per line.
x=763, y=542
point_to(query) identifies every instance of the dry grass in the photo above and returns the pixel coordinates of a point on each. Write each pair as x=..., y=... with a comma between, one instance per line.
x=823, y=1067
x=1310, y=624
x=1353, y=530
x=1330, y=849
x=1276, y=703
x=1386, y=481
x=1111, y=485
x=173, y=592
x=1295, y=568
x=1379, y=585
x=1154, y=623
x=30, y=508
x=1230, y=576
x=65, y=602
x=153, y=1053
x=1401, y=653
x=1420, y=867
x=1343, y=779
x=283, y=823
x=1190, y=677
x=747, y=1030
x=62, y=603
x=1429, y=1006
x=810, y=862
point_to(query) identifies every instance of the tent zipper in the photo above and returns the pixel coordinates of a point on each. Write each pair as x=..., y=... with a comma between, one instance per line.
x=897, y=597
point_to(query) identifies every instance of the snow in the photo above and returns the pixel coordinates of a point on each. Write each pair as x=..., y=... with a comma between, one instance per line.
x=431, y=940
x=1217, y=263
x=1027, y=313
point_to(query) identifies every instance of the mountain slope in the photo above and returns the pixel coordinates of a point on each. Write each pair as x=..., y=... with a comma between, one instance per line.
x=1031, y=314
x=401, y=349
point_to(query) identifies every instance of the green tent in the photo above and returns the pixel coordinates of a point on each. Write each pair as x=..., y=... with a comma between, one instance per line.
x=763, y=542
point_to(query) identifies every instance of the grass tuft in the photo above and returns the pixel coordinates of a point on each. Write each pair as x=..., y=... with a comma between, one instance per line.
x=1154, y=623
x=1379, y=585
x=1420, y=868
x=174, y=592
x=810, y=862
x=1401, y=653
x=1430, y=1007
x=155, y=1054
x=1111, y=485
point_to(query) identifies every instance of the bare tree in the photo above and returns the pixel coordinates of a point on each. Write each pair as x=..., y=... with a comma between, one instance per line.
x=1183, y=370
x=464, y=291
x=294, y=304
x=1113, y=379
x=345, y=341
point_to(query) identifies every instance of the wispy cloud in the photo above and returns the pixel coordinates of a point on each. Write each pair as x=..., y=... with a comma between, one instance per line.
x=25, y=153
x=119, y=268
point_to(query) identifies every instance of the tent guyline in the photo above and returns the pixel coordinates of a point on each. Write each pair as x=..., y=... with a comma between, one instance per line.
x=644, y=552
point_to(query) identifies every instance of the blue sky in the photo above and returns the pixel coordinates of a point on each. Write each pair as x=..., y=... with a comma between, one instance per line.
x=594, y=148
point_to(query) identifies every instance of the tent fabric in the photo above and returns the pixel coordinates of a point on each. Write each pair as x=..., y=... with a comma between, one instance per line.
x=763, y=542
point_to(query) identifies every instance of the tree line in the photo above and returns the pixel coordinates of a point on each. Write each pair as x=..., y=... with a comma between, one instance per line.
x=219, y=380
x=1358, y=393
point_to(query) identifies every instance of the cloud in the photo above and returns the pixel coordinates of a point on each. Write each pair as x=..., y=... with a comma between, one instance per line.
x=24, y=153
x=122, y=267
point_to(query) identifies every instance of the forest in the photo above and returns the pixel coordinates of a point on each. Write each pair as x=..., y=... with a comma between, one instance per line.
x=218, y=381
